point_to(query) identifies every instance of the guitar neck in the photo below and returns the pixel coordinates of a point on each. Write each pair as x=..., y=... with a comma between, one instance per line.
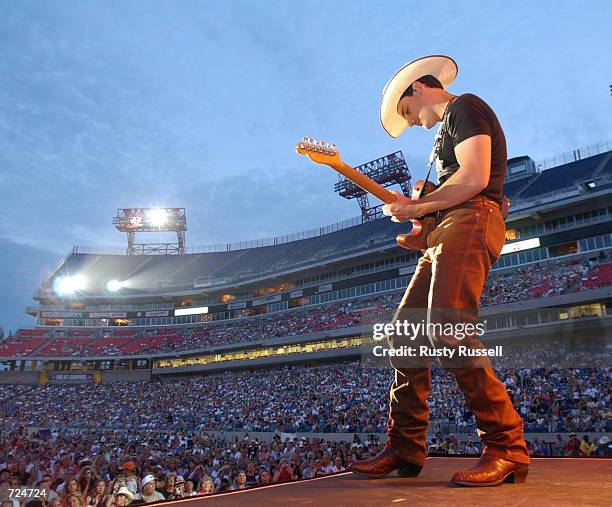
x=364, y=182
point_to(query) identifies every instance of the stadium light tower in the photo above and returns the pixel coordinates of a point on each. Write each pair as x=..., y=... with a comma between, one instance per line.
x=386, y=171
x=133, y=220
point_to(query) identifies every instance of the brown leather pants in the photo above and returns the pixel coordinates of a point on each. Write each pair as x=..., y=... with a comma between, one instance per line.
x=446, y=287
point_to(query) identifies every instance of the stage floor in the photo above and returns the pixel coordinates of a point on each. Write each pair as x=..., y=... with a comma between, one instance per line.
x=551, y=481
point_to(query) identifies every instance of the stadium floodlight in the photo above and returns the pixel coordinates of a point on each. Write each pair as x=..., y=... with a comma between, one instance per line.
x=138, y=220
x=157, y=217
x=386, y=171
x=115, y=285
x=66, y=285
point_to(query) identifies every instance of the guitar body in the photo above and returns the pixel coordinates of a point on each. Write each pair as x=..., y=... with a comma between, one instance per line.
x=416, y=239
x=324, y=153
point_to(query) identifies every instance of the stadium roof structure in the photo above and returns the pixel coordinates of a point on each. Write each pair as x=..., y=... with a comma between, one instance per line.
x=243, y=263
x=594, y=170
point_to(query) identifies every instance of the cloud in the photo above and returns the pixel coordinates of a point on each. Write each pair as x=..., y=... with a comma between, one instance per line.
x=198, y=105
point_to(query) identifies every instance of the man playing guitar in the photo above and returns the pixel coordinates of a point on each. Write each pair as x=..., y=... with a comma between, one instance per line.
x=470, y=157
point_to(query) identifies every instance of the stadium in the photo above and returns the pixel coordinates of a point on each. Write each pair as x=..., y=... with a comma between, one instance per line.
x=238, y=365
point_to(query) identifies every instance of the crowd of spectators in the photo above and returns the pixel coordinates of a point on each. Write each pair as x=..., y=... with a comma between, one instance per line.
x=108, y=468
x=164, y=439
x=167, y=438
x=78, y=467
x=534, y=281
x=341, y=397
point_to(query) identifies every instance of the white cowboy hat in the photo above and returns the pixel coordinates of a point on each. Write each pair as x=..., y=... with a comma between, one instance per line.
x=125, y=492
x=443, y=68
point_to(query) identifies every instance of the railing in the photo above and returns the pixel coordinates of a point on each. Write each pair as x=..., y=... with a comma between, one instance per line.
x=99, y=250
x=278, y=240
x=572, y=156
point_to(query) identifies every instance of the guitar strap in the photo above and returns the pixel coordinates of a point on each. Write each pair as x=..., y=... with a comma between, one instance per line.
x=437, y=145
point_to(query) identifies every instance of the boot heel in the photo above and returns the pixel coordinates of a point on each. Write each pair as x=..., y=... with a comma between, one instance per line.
x=520, y=475
x=408, y=470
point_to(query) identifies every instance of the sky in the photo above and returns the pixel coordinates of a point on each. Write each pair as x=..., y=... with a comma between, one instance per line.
x=199, y=104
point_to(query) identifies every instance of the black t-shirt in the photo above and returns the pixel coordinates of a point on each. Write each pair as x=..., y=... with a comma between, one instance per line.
x=470, y=116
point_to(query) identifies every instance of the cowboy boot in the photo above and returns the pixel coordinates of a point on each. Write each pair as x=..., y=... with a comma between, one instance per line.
x=492, y=471
x=499, y=426
x=383, y=464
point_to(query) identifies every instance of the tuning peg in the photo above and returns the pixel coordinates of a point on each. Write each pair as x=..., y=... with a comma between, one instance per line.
x=317, y=146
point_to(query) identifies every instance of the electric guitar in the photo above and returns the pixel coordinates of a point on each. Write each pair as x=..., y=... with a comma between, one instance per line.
x=321, y=152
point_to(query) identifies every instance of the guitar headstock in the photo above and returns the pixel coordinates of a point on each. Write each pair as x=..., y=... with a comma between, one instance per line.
x=319, y=152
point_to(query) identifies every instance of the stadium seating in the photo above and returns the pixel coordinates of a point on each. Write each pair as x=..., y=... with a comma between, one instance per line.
x=513, y=188
x=533, y=281
x=15, y=346
x=566, y=176
x=600, y=277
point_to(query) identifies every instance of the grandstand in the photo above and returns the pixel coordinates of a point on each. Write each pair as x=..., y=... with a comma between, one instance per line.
x=325, y=284
x=184, y=355
x=313, y=295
